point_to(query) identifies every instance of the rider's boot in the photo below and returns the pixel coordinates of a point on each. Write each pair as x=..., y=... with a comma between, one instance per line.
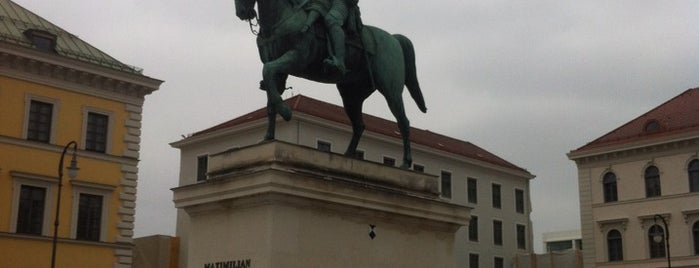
x=337, y=39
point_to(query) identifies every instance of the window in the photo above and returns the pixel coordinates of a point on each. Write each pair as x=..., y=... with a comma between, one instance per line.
x=389, y=161
x=473, y=260
x=695, y=234
x=519, y=201
x=418, y=168
x=446, y=184
x=323, y=146
x=96, y=132
x=202, y=166
x=89, y=217
x=30, y=214
x=615, y=251
x=521, y=236
x=652, y=126
x=473, y=229
x=652, y=182
x=39, y=121
x=472, y=190
x=657, y=249
x=497, y=232
x=90, y=210
x=41, y=40
x=609, y=187
x=497, y=202
x=558, y=246
x=30, y=204
x=693, y=171
x=499, y=262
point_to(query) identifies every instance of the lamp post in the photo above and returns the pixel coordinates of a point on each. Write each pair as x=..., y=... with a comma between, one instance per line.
x=659, y=238
x=72, y=173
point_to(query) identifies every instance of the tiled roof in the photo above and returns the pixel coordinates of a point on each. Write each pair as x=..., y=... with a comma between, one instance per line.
x=676, y=116
x=377, y=125
x=15, y=20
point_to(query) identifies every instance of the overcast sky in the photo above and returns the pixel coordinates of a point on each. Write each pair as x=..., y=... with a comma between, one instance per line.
x=526, y=80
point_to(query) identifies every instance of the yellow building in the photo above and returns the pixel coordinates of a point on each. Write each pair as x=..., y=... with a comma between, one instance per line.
x=55, y=89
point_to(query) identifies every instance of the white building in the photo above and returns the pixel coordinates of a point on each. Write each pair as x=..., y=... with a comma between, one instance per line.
x=562, y=241
x=638, y=182
x=497, y=189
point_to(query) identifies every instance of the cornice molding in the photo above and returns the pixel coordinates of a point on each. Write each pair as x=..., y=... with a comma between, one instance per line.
x=668, y=144
x=74, y=75
x=113, y=245
x=645, y=200
x=604, y=225
x=57, y=149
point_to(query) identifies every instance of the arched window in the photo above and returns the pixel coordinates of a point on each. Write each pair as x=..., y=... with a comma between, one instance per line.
x=615, y=250
x=609, y=187
x=693, y=173
x=652, y=181
x=695, y=232
x=657, y=248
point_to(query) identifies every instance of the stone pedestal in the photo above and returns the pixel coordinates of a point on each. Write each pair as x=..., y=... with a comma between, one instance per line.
x=276, y=205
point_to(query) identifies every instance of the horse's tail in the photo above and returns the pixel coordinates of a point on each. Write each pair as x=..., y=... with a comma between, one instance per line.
x=411, y=72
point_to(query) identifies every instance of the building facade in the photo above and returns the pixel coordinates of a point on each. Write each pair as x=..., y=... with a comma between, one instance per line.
x=496, y=189
x=639, y=182
x=56, y=89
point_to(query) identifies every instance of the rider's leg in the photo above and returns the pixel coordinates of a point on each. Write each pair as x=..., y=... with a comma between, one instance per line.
x=334, y=21
x=337, y=39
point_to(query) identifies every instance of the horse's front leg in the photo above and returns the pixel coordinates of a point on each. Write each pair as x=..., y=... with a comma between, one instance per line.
x=271, y=109
x=271, y=123
x=274, y=74
x=353, y=96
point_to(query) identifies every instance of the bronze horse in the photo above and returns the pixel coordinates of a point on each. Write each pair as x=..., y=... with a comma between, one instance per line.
x=287, y=50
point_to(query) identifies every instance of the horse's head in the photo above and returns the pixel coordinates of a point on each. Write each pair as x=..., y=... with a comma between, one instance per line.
x=245, y=9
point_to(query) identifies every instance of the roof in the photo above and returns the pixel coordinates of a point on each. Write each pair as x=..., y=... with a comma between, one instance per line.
x=678, y=115
x=373, y=124
x=15, y=20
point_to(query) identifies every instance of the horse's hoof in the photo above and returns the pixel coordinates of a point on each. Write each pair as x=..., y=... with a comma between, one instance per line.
x=284, y=112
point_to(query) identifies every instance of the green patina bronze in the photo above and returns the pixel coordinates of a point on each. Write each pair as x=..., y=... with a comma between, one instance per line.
x=337, y=49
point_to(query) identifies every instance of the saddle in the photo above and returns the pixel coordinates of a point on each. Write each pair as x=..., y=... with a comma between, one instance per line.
x=366, y=41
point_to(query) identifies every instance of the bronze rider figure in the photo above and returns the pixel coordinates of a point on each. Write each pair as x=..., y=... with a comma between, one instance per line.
x=335, y=19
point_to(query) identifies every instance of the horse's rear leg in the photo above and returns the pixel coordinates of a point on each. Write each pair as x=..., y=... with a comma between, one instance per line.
x=395, y=103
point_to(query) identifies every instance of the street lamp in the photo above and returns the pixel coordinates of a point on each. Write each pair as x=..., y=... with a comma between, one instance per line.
x=72, y=173
x=659, y=237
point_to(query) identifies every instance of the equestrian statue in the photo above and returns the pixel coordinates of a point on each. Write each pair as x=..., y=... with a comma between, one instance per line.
x=325, y=41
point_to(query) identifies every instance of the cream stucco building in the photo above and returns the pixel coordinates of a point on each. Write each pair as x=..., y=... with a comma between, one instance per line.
x=634, y=178
x=497, y=190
